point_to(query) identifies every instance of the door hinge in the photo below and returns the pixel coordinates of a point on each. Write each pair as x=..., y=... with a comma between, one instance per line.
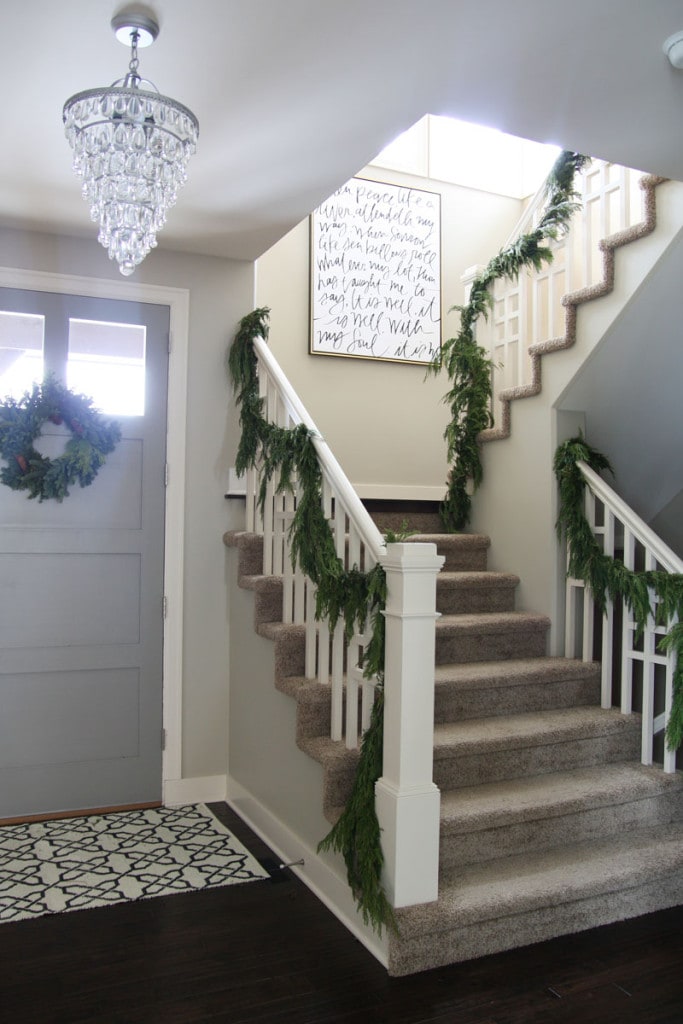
x=163, y=739
x=170, y=343
x=166, y=474
x=164, y=607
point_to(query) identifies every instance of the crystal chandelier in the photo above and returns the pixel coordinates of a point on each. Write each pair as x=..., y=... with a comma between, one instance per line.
x=131, y=146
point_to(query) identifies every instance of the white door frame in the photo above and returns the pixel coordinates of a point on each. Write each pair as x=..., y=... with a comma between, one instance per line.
x=178, y=299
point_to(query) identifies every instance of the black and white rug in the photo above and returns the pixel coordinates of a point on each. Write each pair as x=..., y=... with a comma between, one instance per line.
x=72, y=864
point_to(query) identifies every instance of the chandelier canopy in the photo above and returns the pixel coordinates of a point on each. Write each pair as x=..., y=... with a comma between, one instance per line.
x=131, y=146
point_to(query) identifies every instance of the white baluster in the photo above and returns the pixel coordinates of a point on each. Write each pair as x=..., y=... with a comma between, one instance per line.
x=669, y=755
x=607, y=619
x=627, y=634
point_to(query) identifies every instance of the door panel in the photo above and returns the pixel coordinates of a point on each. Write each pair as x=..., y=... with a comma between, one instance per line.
x=102, y=706
x=81, y=582
x=112, y=502
x=73, y=600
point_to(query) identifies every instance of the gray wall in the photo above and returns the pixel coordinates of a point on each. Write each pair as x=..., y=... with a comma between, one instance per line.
x=630, y=392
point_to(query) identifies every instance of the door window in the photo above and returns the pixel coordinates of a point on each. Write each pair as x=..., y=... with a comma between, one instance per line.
x=107, y=362
x=21, y=352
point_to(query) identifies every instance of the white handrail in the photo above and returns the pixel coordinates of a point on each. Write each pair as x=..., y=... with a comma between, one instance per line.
x=645, y=676
x=528, y=314
x=667, y=558
x=353, y=506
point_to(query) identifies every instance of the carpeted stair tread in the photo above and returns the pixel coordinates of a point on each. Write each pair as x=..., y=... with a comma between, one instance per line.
x=258, y=581
x=510, y=886
x=492, y=622
x=275, y=630
x=329, y=753
x=513, y=672
x=537, y=728
x=493, y=805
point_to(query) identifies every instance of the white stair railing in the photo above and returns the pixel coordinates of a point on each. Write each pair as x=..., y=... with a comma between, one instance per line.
x=635, y=675
x=528, y=311
x=407, y=800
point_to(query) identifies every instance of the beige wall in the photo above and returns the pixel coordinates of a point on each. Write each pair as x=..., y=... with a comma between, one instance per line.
x=384, y=422
x=221, y=291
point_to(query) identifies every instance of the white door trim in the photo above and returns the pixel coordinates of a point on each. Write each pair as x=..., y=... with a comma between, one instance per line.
x=178, y=299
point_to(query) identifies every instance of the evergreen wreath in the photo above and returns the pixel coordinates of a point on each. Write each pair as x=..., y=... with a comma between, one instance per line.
x=649, y=593
x=347, y=594
x=466, y=363
x=21, y=422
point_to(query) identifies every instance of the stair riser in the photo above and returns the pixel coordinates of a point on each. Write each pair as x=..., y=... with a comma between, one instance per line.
x=454, y=704
x=250, y=556
x=456, y=648
x=483, y=765
x=399, y=522
x=469, y=941
x=290, y=655
x=337, y=786
x=268, y=604
x=466, y=600
x=463, y=559
x=314, y=718
x=460, y=849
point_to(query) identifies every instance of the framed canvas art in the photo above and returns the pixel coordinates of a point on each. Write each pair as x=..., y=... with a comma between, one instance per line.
x=376, y=273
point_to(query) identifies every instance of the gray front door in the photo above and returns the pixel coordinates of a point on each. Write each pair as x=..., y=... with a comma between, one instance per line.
x=81, y=582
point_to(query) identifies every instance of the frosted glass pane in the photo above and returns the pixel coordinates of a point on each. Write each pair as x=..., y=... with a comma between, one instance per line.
x=107, y=362
x=21, y=352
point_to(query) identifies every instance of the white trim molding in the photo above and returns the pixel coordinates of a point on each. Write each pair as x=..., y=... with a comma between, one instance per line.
x=401, y=492
x=330, y=888
x=178, y=301
x=205, y=790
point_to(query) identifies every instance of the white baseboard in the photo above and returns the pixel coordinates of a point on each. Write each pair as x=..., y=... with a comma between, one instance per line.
x=401, y=492
x=314, y=873
x=202, y=790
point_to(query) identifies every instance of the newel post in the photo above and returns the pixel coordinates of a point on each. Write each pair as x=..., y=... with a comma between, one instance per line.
x=407, y=801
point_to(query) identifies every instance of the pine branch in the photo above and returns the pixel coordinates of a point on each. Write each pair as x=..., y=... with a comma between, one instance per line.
x=356, y=835
x=467, y=365
x=282, y=457
x=655, y=594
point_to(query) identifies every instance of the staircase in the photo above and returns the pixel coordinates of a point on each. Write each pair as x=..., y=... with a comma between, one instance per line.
x=549, y=823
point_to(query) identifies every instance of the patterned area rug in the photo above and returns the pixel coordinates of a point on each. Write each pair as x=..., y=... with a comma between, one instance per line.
x=72, y=864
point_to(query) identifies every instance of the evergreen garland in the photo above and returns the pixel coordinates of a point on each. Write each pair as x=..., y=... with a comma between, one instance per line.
x=609, y=578
x=284, y=454
x=21, y=422
x=466, y=363
x=356, y=834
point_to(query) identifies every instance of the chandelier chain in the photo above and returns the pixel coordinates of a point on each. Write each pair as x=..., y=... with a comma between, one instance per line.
x=134, y=59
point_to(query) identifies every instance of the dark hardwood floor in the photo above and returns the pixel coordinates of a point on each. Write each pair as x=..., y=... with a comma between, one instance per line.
x=269, y=952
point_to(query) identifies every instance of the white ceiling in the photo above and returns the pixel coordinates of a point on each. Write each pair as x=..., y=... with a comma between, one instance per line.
x=295, y=96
